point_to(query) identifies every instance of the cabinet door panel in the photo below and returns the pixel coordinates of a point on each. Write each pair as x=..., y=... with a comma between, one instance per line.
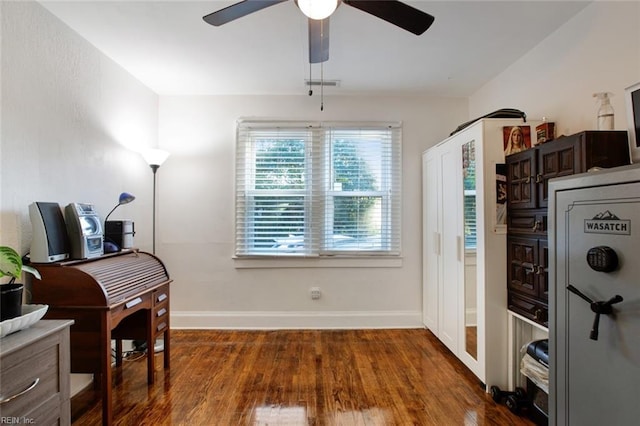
x=522, y=254
x=521, y=180
x=558, y=158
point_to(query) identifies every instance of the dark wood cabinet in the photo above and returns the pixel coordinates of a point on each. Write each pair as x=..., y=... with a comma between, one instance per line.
x=529, y=171
x=528, y=174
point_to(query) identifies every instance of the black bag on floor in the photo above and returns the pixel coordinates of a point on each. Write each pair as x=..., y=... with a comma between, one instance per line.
x=501, y=113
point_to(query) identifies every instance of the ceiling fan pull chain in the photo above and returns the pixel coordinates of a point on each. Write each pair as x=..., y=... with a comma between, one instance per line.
x=310, y=80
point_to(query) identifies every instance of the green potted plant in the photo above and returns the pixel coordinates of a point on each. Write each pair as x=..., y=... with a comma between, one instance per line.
x=11, y=293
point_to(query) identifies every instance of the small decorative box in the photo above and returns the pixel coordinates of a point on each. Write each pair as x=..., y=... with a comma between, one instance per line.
x=545, y=132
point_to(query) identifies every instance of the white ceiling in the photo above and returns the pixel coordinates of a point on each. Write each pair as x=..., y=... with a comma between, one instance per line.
x=168, y=47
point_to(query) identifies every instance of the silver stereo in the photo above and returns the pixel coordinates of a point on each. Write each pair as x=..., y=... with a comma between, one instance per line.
x=85, y=231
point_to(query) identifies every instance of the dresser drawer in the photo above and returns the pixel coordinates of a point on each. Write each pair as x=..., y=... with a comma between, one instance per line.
x=528, y=222
x=528, y=308
x=30, y=379
x=50, y=412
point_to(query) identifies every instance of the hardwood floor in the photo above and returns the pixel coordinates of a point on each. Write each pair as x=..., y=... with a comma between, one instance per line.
x=300, y=377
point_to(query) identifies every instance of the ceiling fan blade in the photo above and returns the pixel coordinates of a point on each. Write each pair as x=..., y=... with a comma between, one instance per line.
x=395, y=12
x=238, y=10
x=318, y=40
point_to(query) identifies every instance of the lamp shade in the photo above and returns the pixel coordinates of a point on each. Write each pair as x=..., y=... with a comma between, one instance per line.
x=154, y=157
x=317, y=9
x=125, y=198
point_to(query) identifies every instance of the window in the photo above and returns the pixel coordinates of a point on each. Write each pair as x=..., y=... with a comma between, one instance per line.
x=469, y=187
x=314, y=189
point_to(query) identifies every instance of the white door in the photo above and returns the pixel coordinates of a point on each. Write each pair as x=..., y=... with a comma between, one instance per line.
x=449, y=284
x=431, y=204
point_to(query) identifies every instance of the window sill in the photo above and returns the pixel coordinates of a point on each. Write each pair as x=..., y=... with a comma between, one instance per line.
x=269, y=262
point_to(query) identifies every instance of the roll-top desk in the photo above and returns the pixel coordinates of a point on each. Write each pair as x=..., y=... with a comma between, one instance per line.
x=117, y=296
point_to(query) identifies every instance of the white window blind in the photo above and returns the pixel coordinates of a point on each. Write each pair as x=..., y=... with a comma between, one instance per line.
x=315, y=189
x=469, y=183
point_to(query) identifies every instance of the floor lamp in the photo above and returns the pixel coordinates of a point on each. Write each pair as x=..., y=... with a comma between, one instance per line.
x=154, y=158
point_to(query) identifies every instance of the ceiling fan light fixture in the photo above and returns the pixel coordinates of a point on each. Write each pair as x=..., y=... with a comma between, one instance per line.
x=317, y=9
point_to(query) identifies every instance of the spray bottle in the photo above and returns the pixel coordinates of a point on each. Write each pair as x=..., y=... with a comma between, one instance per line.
x=605, y=111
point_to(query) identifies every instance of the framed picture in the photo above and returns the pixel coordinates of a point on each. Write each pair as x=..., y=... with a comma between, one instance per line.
x=516, y=139
x=632, y=96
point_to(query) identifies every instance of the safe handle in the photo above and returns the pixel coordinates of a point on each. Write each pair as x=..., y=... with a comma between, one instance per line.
x=598, y=308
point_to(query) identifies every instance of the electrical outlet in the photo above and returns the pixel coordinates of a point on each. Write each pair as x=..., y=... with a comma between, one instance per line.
x=315, y=293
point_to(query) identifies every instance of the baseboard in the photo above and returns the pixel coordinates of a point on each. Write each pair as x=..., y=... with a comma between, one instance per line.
x=79, y=382
x=471, y=317
x=295, y=320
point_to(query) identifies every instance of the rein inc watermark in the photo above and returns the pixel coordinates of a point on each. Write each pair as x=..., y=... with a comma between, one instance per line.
x=7, y=420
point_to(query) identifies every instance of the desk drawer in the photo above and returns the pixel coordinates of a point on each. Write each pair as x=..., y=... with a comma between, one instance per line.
x=160, y=298
x=143, y=301
x=161, y=317
x=161, y=295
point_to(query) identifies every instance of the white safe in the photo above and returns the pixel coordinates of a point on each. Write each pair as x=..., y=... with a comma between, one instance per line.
x=594, y=331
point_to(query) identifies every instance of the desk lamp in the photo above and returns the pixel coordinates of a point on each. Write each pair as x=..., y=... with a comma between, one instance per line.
x=125, y=198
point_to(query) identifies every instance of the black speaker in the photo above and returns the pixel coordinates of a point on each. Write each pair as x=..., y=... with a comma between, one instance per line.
x=120, y=232
x=50, y=242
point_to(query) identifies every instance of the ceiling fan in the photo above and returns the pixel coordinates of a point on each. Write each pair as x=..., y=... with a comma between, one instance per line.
x=318, y=11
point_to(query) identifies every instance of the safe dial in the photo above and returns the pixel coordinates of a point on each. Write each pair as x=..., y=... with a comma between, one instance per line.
x=602, y=259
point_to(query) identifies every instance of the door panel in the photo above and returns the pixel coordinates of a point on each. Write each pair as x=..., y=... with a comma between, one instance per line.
x=432, y=239
x=449, y=284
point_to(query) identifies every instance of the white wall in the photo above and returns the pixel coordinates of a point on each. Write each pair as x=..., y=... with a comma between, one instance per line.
x=68, y=116
x=196, y=222
x=598, y=50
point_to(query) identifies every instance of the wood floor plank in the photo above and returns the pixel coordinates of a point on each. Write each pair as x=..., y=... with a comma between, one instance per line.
x=300, y=377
